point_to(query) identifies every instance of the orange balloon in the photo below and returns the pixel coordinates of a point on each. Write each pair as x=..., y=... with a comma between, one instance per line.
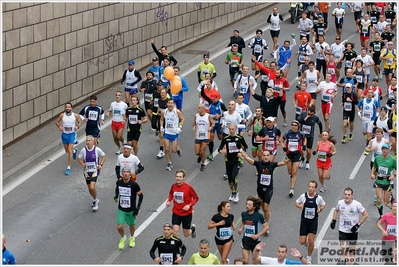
x=175, y=86
x=176, y=78
x=169, y=73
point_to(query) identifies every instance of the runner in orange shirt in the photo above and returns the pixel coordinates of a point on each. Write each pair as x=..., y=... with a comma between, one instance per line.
x=301, y=100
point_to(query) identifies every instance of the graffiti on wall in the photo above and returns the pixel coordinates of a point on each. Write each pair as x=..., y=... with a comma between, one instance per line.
x=198, y=5
x=162, y=15
x=112, y=41
x=97, y=61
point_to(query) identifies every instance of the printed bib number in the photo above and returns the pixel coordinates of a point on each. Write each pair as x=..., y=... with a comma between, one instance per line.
x=347, y=222
x=166, y=258
x=234, y=63
x=147, y=97
x=269, y=145
x=320, y=31
x=93, y=115
x=225, y=233
x=306, y=129
x=348, y=64
x=389, y=61
x=331, y=71
x=178, y=197
x=326, y=97
x=365, y=30
x=68, y=128
x=258, y=49
x=124, y=202
x=391, y=229
x=249, y=230
x=242, y=90
x=156, y=102
x=311, y=81
x=293, y=146
x=377, y=47
x=322, y=156
x=91, y=166
x=202, y=135
x=205, y=71
x=132, y=119
x=301, y=58
x=348, y=106
x=309, y=213
x=233, y=148
x=265, y=179
x=382, y=171
x=359, y=78
x=298, y=110
x=117, y=113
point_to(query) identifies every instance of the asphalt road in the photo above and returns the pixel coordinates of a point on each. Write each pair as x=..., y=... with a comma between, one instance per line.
x=48, y=218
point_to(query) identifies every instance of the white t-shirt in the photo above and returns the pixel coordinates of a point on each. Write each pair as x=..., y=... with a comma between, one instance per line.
x=118, y=109
x=231, y=118
x=349, y=214
x=367, y=59
x=132, y=161
x=327, y=90
x=337, y=50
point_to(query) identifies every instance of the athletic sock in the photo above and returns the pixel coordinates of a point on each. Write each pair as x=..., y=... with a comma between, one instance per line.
x=161, y=148
x=380, y=207
x=211, y=147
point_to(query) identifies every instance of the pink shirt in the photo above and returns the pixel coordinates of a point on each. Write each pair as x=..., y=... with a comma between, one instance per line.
x=390, y=226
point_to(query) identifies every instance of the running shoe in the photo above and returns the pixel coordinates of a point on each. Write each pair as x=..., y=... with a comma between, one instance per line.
x=210, y=156
x=95, y=204
x=122, y=243
x=343, y=139
x=228, y=261
x=203, y=167
x=161, y=154
x=236, y=198
x=193, y=233
x=225, y=176
x=74, y=153
x=285, y=123
x=301, y=162
x=293, y=35
x=67, y=171
x=380, y=75
x=307, y=166
x=118, y=152
x=179, y=153
x=199, y=160
x=169, y=167
x=309, y=259
x=322, y=189
x=366, y=153
x=231, y=198
x=291, y=194
x=132, y=242
x=350, y=137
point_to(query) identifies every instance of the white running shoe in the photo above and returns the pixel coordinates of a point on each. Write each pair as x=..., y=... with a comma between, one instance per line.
x=231, y=198
x=236, y=198
x=322, y=189
x=161, y=154
x=301, y=162
x=94, y=205
x=307, y=167
x=309, y=259
x=291, y=194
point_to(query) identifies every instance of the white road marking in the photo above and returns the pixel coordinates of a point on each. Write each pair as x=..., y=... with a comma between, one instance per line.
x=357, y=167
x=324, y=229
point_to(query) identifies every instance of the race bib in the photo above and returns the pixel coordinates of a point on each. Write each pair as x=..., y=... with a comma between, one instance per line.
x=93, y=115
x=382, y=171
x=91, y=167
x=204, y=71
x=391, y=229
x=249, y=230
x=132, y=119
x=202, y=135
x=365, y=29
x=166, y=258
x=117, y=112
x=156, y=102
x=348, y=106
x=298, y=110
x=322, y=156
x=147, y=97
x=347, y=222
x=269, y=145
x=68, y=128
x=326, y=97
x=309, y=213
x=359, y=78
x=124, y=202
x=320, y=31
x=257, y=49
x=331, y=71
x=234, y=63
x=301, y=58
x=311, y=80
x=233, y=147
x=225, y=232
x=265, y=179
x=178, y=197
x=377, y=47
x=306, y=129
x=348, y=64
x=293, y=146
x=389, y=61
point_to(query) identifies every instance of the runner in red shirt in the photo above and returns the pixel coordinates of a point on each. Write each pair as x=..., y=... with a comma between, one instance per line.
x=184, y=198
x=302, y=99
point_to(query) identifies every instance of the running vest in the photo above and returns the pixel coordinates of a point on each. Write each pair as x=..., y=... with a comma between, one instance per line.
x=275, y=22
x=389, y=63
x=390, y=91
x=351, y=81
x=323, y=150
x=359, y=75
x=68, y=123
x=368, y=109
x=171, y=121
x=301, y=56
x=202, y=123
x=130, y=79
x=309, y=211
x=311, y=79
x=91, y=163
x=243, y=84
x=257, y=46
x=394, y=121
x=331, y=69
x=215, y=109
x=271, y=144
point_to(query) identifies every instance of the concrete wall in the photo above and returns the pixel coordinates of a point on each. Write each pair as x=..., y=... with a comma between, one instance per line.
x=59, y=52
